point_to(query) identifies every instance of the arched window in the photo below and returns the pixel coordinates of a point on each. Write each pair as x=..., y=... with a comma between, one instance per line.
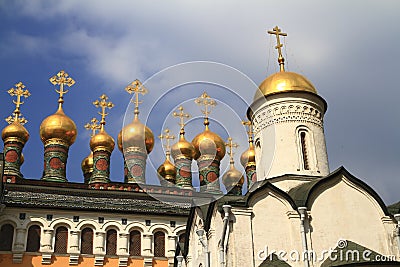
x=33, y=242
x=182, y=238
x=304, y=150
x=61, y=240
x=111, y=242
x=87, y=241
x=159, y=244
x=6, y=237
x=135, y=246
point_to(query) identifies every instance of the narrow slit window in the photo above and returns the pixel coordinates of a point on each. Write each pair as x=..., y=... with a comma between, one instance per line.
x=61, y=240
x=111, y=242
x=33, y=242
x=304, y=153
x=135, y=243
x=6, y=237
x=87, y=241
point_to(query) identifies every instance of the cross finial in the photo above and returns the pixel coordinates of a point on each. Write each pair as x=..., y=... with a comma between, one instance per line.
x=206, y=101
x=231, y=145
x=249, y=126
x=62, y=78
x=182, y=116
x=137, y=88
x=93, y=125
x=276, y=31
x=19, y=91
x=103, y=104
x=167, y=137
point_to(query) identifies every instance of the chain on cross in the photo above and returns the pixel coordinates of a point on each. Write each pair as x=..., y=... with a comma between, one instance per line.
x=182, y=116
x=250, y=132
x=19, y=91
x=103, y=104
x=137, y=88
x=93, y=125
x=277, y=32
x=62, y=78
x=231, y=146
x=167, y=137
x=206, y=101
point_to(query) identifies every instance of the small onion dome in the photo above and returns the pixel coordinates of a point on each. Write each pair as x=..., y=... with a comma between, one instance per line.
x=248, y=157
x=15, y=130
x=136, y=134
x=167, y=171
x=208, y=143
x=232, y=177
x=87, y=164
x=102, y=139
x=183, y=147
x=58, y=126
x=284, y=82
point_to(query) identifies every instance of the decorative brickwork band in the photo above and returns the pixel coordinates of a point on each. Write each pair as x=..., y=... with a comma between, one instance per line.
x=55, y=160
x=209, y=174
x=183, y=171
x=13, y=158
x=101, y=166
x=135, y=165
x=251, y=175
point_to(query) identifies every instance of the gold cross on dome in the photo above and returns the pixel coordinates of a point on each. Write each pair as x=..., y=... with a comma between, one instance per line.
x=19, y=91
x=206, y=101
x=249, y=126
x=62, y=78
x=277, y=32
x=231, y=145
x=93, y=125
x=167, y=137
x=103, y=104
x=182, y=116
x=137, y=88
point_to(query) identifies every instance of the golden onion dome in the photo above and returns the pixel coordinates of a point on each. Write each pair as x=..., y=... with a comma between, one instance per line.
x=248, y=157
x=58, y=126
x=208, y=143
x=183, y=147
x=232, y=177
x=167, y=170
x=102, y=139
x=15, y=130
x=284, y=82
x=136, y=134
x=87, y=164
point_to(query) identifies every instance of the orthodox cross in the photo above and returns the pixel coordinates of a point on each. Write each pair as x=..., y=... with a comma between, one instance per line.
x=62, y=78
x=249, y=126
x=19, y=92
x=103, y=104
x=231, y=145
x=137, y=88
x=168, y=137
x=93, y=125
x=206, y=101
x=182, y=116
x=276, y=31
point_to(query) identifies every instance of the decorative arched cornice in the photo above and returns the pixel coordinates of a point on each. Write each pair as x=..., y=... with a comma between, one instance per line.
x=111, y=225
x=160, y=227
x=88, y=223
x=62, y=221
x=134, y=226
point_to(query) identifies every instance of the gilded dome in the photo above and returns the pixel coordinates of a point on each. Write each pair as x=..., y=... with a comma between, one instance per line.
x=284, y=82
x=183, y=147
x=87, y=164
x=167, y=171
x=208, y=143
x=248, y=157
x=58, y=126
x=102, y=139
x=136, y=134
x=15, y=130
x=232, y=177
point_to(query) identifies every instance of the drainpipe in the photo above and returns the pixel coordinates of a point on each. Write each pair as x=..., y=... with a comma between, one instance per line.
x=179, y=259
x=397, y=217
x=303, y=217
x=203, y=241
x=222, y=247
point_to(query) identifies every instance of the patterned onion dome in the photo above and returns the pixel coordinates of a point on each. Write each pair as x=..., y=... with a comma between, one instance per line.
x=102, y=139
x=136, y=134
x=87, y=164
x=183, y=147
x=58, y=126
x=248, y=157
x=208, y=143
x=167, y=171
x=15, y=130
x=284, y=82
x=232, y=177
